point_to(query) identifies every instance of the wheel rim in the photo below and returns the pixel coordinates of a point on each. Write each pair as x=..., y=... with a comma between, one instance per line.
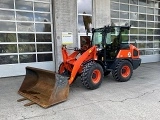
x=125, y=71
x=96, y=76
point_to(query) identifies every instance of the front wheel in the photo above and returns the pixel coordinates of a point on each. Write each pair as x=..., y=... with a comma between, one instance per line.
x=123, y=71
x=92, y=75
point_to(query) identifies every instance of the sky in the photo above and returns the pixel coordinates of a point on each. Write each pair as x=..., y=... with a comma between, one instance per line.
x=85, y=6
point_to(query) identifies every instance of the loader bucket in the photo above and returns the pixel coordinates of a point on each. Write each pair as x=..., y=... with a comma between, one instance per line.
x=44, y=87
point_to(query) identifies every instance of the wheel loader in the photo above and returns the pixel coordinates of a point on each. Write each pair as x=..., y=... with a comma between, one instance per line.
x=108, y=52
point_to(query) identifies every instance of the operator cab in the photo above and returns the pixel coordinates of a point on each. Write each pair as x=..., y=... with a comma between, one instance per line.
x=109, y=40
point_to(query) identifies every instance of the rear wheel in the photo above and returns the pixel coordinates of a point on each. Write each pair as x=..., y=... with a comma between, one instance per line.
x=92, y=75
x=123, y=71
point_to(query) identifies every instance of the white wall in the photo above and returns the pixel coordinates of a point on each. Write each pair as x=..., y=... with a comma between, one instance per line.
x=101, y=13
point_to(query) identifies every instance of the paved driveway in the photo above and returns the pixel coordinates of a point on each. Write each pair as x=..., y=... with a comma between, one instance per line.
x=137, y=99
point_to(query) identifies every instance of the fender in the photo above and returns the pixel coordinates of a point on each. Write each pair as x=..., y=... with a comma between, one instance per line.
x=128, y=53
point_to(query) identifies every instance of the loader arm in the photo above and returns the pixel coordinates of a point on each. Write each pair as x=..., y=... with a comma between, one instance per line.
x=67, y=57
x=90, y=54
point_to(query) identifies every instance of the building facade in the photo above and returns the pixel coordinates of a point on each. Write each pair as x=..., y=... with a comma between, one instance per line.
x=31, y=30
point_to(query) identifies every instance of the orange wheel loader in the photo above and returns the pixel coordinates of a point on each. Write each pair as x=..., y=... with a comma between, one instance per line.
x=107, y=52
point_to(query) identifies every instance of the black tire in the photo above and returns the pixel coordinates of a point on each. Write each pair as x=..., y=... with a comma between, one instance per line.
x=92, y=75
x=107, y=73
x=123, y=71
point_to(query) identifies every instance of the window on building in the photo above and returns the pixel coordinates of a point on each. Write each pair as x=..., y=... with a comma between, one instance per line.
x=144, y=18
x=84, y=16
x=25, y=32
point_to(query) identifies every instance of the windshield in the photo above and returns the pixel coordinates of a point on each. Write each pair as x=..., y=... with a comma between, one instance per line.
x=97, y=39
x=111, y=37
